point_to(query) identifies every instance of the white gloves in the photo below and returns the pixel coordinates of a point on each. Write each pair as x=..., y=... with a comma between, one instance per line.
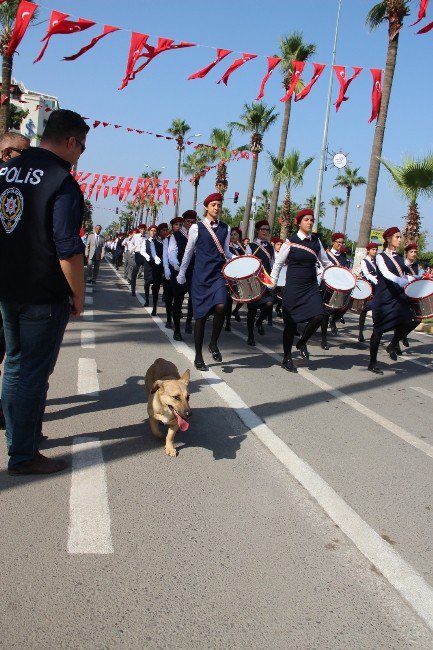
x=157, y=260
x=167, y=275
x=181, y=279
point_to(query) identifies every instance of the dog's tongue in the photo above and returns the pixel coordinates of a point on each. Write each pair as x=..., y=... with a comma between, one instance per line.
x=183, y=424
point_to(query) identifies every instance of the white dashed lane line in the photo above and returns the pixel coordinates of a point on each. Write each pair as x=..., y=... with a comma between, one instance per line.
x=87, y=339
x=88, y=383
x=423, y=391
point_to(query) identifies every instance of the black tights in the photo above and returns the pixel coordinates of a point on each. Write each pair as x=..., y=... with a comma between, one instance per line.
x=290, y=331
x=400, y=332
x=265, y=310
x=217, y=325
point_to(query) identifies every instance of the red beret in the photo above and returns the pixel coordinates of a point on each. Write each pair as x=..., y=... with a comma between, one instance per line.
x=259, y=224
x=176, y=220
x=212, y=197
x=390, y=232
x=277, y=240
x=162, y=226
x=238, y=230
x=189, y=214
x=303, y=213
x=411, y=247
x=153, y=227
x=141, y=225
x=372, y=245
x=337, y=235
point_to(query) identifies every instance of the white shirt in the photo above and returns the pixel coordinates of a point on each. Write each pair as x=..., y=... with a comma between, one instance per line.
x=136, y=243
x=167, y=271
x=263, y=243
x=143, y=250
x=366, y=273
x=189, y=250
x=402, y=282
x=173, y=249
x=420, y=270
x=282, y=256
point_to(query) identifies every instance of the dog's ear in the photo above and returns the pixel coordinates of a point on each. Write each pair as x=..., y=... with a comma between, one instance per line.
x=185, y=377
x=156, y=386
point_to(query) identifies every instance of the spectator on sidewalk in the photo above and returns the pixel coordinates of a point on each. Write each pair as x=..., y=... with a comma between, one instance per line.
x=95, y=250
x=41, y=278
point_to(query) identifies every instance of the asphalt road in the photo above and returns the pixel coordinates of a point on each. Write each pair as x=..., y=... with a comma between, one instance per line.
x=298, y=513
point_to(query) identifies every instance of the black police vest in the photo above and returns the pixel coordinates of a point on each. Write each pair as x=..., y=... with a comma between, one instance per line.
x=30, y=270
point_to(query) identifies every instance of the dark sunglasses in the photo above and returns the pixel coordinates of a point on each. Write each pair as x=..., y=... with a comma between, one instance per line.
x=83, y=146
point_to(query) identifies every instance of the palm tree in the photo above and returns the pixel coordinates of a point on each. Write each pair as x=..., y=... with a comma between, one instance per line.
x=414, y=179
x=223, y=141
x=256, y=120
x=289, y=171
x=8, y=12
x=336, y=203
x=194, y=167
x=292, y=49
x=178, y=129
x=310, y=202
x=265, y=202
x=349, y=179
x=393, y=12
x=16, y=116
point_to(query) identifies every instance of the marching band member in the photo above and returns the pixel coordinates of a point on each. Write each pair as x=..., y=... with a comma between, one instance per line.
x=139, y=260
x=302, y=301
x=264, y=251
x=276, y=243
x=127, y=254
x=176, y=251
x=210, y=239
x=337, y=256
x=236, y=249
x=369, y=272
x=391, y=309
x=410, y=260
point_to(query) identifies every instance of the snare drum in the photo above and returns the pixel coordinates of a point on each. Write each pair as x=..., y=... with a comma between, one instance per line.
x=336, y=286
x=361, y=295
x=242, y=275
x=281, y=282
x=420, y=295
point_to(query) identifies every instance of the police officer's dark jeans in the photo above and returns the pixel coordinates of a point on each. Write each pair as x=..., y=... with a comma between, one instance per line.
x=93, y=269
x=33, y=336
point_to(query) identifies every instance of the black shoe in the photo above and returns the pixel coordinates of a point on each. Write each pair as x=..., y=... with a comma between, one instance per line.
x=177, y=336
x=324, y=345
x=251, y=341
x=392, y=352
x=216, y=354
x=188, y=328
x=405, y=342
x=333, y=329
x=153, y=312
x=342, y=321
x=228, y=328
x=133, y=293
x=39, y=465
x=279, y=313
x=373, y=368
x=260, y=328
x=236, y=316
x=361, y=338
x=200, y=365
x=288, y=365
x=303, y=350
x=168, y=325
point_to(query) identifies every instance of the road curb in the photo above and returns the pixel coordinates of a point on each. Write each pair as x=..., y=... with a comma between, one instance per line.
x=425, y=327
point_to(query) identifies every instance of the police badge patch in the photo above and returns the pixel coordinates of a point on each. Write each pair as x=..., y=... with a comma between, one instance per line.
x=11, y=208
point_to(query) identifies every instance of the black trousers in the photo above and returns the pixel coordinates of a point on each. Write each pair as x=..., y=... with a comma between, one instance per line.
x=179, y=293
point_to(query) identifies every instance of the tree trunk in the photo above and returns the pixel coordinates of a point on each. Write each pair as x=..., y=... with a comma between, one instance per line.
x=376, y=153
x=413, y=225
x=334, y=225
x=179, y=164
x=249, y=200
x=281, y=152
x=194, y=203
x=5, y=106
x=285, y=216
x=346, y=210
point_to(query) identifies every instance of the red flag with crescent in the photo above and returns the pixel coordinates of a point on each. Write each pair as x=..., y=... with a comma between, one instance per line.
x=298, y=67
x=376, y=94
x=421, y=12
x=221, y=54
x=164, y=44
x=318, y=69
x=426, y=29
x=24, y=15
x=273, y=61
x=135, y=47
x=340, y=71
x=108, y=29
x=235, y=65
x=59, y=25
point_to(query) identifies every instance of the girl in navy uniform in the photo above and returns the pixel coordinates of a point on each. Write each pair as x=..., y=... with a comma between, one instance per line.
x=236, y=249
x=263, y=249
x=302, y=301
x=391, y=309
x=210, y=239
x=337, y=257
x=369, y=273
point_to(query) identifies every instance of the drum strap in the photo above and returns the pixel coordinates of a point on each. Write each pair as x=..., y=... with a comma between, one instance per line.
x=334, y=259
x=411, y=271
x=215, y=238
x=264, y=250
x=396, y=265
x=184, y=232
x=304, y=248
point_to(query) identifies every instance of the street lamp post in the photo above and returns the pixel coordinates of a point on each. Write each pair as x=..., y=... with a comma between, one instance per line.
x=253, y=220
x=180, y=180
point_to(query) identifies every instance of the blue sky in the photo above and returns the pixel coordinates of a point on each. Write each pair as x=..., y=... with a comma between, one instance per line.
x=161, y=92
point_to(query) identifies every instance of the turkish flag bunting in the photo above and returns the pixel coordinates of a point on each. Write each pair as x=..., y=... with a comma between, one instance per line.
x=235, y=65
x=98, y=189
x=108, y=29
x=164, y=44
x=426, y=29
x=318, y=69
x=174, y=193
x=59, y=25
x=24, y=15
x=135, y=47
x=376, y=95
x=340, y=71
x=221, y=54
x=83, y=187
x=167, y=196
x=273, y=61
x=423, y=4
x=106, y=190
x=96, y=123
x=86, y=176
x=298, y=67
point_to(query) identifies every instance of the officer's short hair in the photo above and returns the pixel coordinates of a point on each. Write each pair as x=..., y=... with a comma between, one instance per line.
x=13, y=139
x=62, y=124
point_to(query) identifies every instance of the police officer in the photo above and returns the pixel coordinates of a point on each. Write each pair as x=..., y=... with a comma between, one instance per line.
x=41, y=278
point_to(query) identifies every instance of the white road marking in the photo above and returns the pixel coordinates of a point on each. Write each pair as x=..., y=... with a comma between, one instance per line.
x=87, y=339
x=89, y=515
x=423, y=391
x=88, y=314
x=87, y=377
x=401, y=575
x=89, y=289
x=88, y=300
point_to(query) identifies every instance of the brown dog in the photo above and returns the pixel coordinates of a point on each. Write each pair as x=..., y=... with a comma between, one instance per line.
x=168, y=400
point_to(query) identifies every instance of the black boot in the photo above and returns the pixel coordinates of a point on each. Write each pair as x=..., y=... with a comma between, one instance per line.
x=288, y=364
